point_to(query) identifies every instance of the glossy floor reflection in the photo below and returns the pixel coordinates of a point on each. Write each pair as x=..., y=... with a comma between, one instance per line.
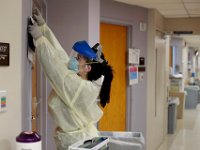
x=187, y=136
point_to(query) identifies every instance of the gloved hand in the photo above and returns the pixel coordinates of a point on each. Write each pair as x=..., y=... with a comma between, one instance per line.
x=38, y=17
x=34, y=31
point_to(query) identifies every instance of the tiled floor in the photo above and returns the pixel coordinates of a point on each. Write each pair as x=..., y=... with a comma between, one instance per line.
x=187, y=136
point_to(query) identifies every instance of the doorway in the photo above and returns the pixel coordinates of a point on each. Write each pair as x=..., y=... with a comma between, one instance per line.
x=114, y=41
x=36, y=77
x=35, y=4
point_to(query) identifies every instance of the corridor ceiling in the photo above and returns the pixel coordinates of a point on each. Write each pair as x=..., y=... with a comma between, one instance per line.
x=173, y=9
x=170, y=8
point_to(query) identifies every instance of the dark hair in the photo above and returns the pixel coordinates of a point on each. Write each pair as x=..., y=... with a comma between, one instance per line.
x=98, y=69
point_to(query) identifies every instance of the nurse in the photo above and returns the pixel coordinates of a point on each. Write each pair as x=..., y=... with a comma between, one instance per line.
x=73, y=100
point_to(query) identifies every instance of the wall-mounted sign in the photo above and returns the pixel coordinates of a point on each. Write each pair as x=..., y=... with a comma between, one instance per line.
x=133, y=74
x=4, y=54
x=133, y=56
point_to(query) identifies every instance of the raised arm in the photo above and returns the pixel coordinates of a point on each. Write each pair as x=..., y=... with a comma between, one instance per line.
x=46, y=31
x=58, y=74
x=71, y=88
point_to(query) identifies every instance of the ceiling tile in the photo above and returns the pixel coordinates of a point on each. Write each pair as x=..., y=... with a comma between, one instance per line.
x=169, y=8
x=191, y=1
x=166, y=6
x=171, y=12
x=176, y=16
x=142, y=2
x=160, y=1
x=192, y=6
x=194, y=12
x=194, y=15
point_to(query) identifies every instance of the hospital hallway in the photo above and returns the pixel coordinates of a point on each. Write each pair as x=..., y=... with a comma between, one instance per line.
x=187, y=134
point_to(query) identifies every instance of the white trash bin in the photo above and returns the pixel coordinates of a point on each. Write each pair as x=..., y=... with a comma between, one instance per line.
x=124, y=140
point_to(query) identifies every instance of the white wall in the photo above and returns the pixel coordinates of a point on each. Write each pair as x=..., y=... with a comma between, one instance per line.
x=151, y=81
x=181, y=58
x=75, y=20
x=178, y=44
x=182, y=24
x=15, y=77
x=185, y=64
x=156, y=83
x=198, y=67
x=93, y=21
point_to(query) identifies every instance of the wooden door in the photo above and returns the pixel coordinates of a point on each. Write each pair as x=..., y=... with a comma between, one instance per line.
x=36, y=4
x=34, y=102
x=114, y=41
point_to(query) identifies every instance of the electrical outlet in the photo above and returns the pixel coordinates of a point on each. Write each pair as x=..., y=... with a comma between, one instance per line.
x=141, y=76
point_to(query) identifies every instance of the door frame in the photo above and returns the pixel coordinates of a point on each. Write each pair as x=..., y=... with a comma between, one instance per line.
x=42, y=89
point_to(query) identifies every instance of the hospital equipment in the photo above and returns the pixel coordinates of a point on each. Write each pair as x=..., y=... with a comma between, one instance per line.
x=96, y=143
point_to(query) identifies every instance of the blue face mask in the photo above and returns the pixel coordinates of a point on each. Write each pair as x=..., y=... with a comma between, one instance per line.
x=73, y=64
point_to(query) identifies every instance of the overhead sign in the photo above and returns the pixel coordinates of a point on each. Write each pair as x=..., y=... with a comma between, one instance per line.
x=4, y=54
